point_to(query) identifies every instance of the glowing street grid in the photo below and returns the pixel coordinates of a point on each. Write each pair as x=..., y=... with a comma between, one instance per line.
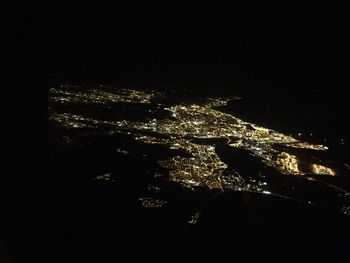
x=189, y=121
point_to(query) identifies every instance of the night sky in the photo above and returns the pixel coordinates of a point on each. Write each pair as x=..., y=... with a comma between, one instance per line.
x=277, y=46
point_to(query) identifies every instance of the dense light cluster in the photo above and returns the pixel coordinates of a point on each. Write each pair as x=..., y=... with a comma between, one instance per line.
x=188, y=122
x=96, y=96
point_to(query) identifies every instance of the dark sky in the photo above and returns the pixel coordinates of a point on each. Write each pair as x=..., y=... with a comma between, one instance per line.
x=247, y=44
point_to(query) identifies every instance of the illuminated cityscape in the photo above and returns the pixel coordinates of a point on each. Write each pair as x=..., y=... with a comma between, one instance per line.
x=87, y=96
x=191, y=128
x=177, y=133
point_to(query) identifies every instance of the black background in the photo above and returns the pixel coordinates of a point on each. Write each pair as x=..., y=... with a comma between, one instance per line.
x=291, y=60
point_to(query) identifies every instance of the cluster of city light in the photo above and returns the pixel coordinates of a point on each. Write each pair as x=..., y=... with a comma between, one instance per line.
x=73, y=94
x=150, y=202
x=74, y=121
x=320, y=169
x=194, y=218
x=70, y=121
x=203, y=167
x=287, y=163
x=198, y=121
x=105, y=177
